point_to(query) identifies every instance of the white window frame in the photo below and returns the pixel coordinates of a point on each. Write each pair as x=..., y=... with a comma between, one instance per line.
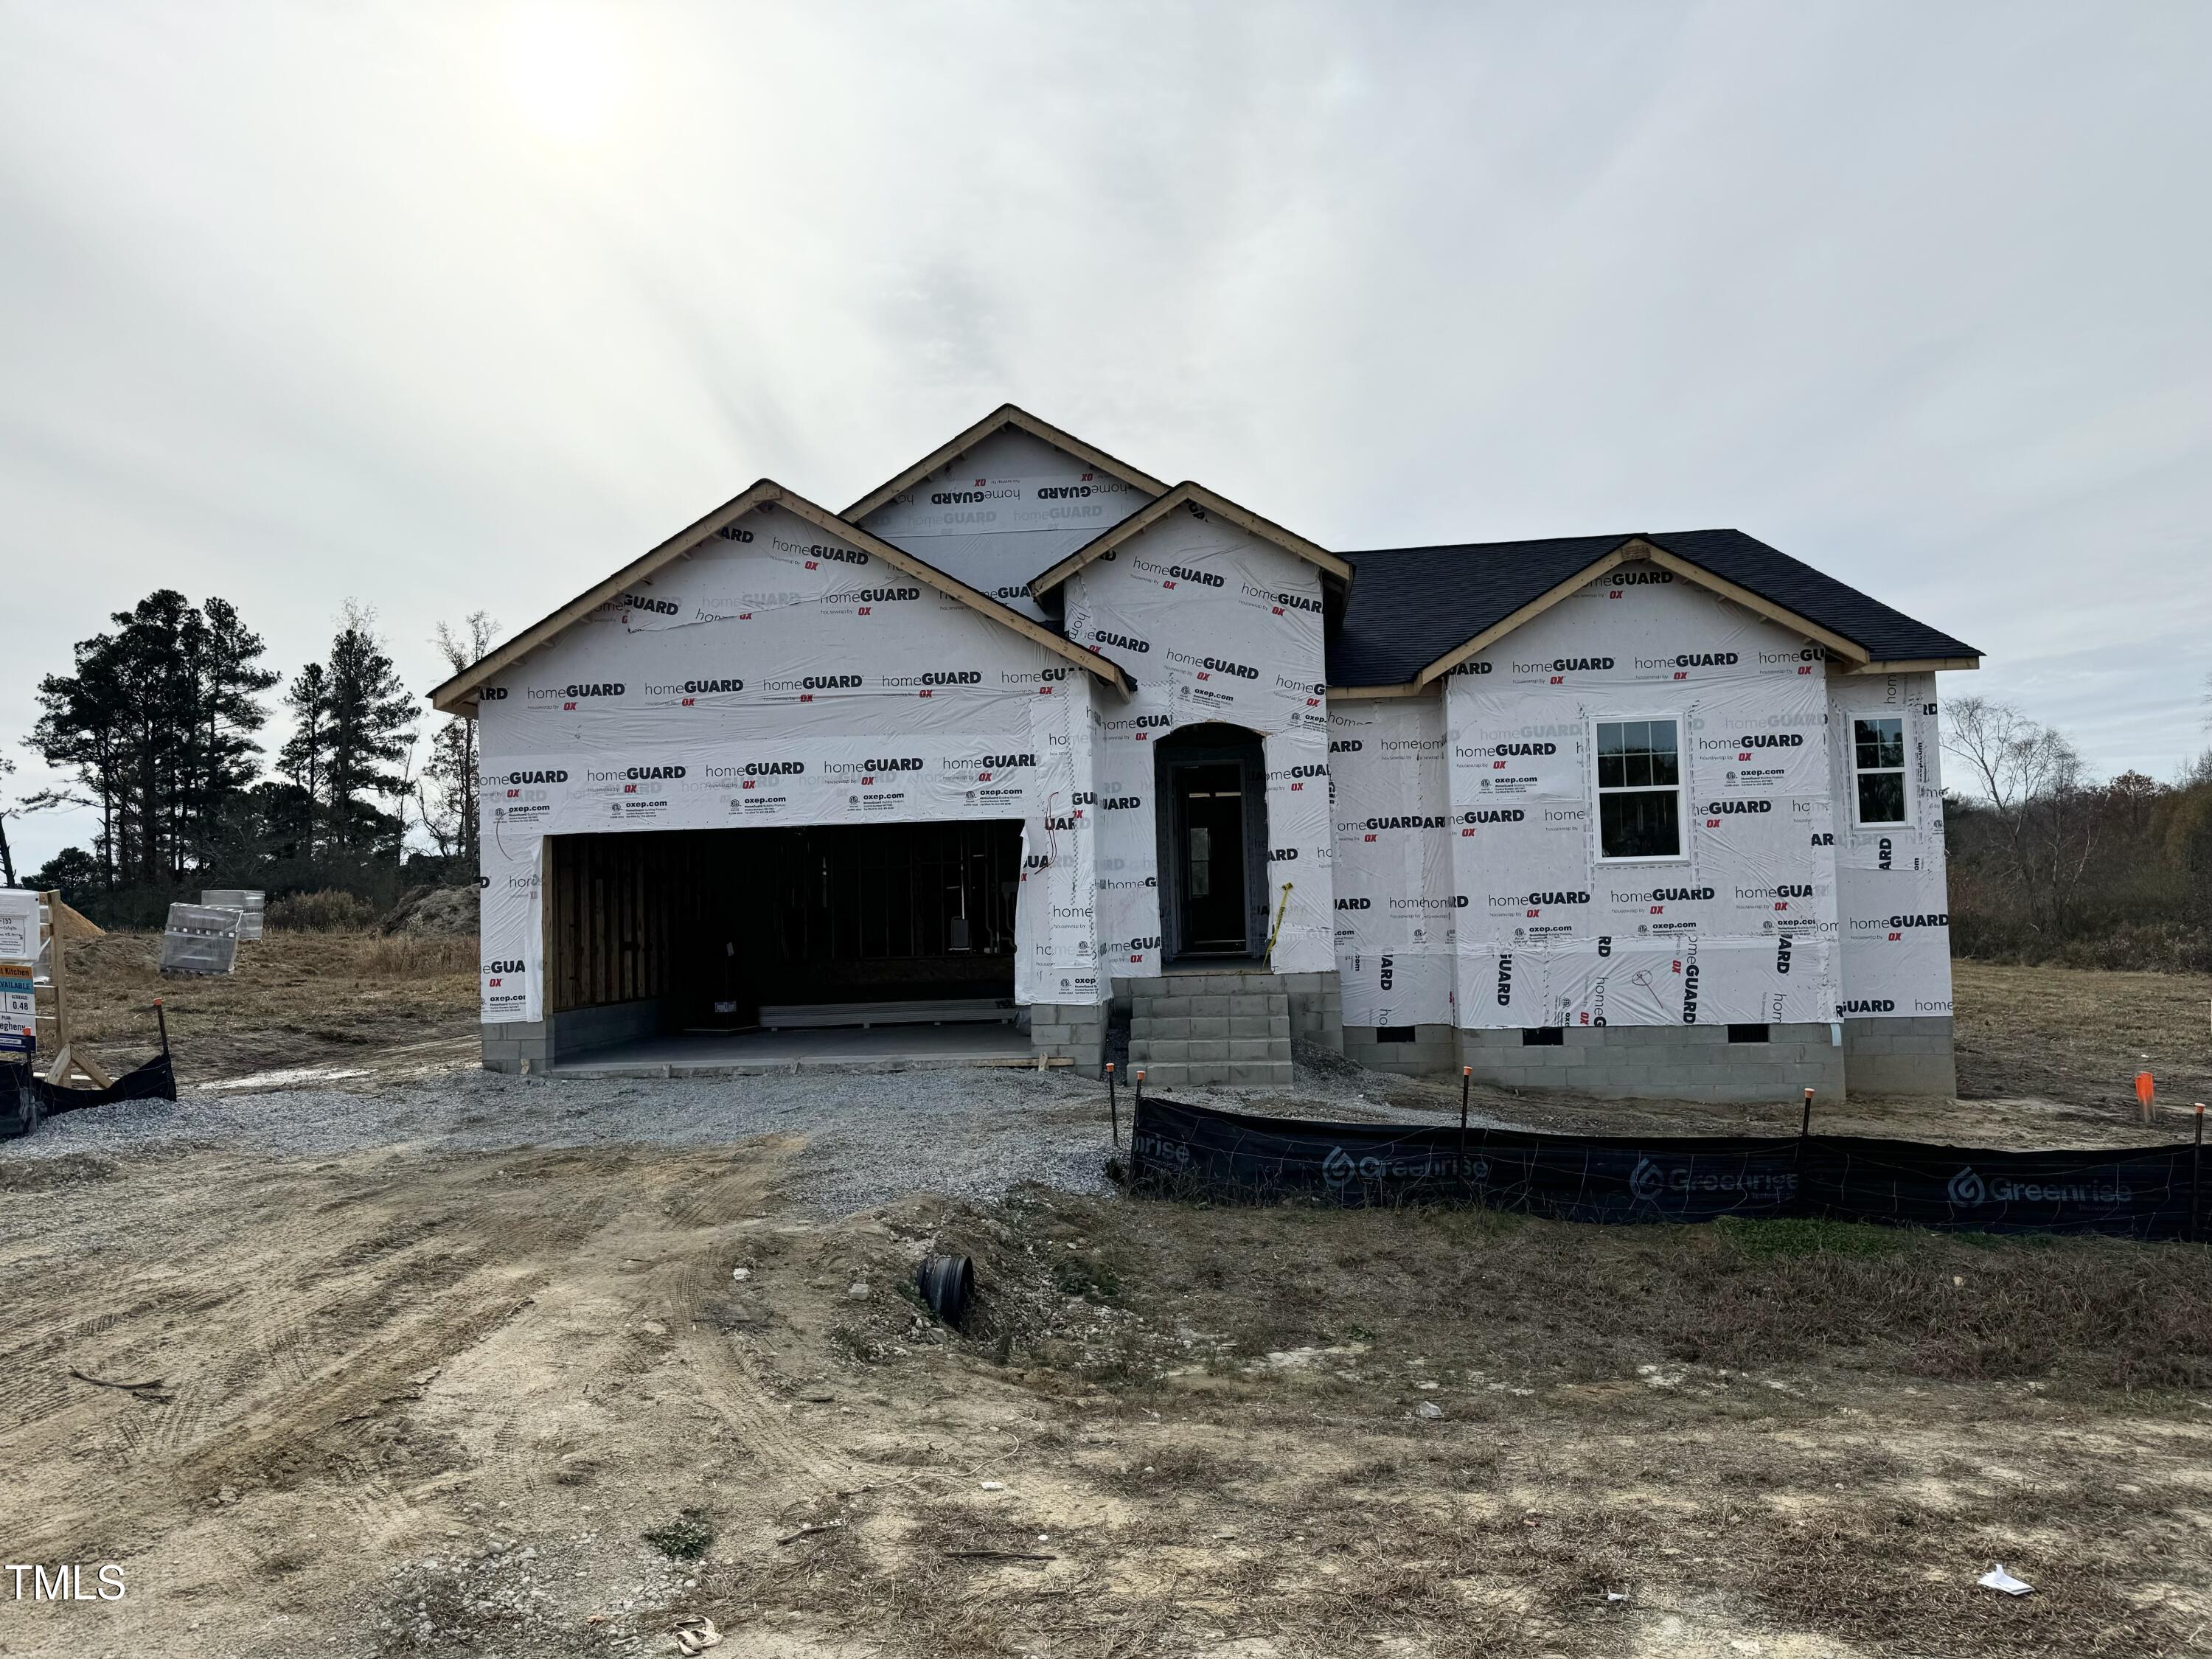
x=1598, y=792
x=1905, y=771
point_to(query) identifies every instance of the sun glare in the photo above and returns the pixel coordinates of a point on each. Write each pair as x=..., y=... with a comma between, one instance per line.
x=563, y=67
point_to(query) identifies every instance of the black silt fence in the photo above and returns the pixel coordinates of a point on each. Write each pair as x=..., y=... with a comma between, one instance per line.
x=25, y=1097
x=2137, y=1193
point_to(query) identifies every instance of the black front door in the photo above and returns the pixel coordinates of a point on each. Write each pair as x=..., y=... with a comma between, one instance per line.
x=1209, y=802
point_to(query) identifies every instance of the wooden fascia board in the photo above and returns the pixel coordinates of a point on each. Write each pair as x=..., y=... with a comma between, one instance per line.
x=898, y=558
x=457, y=695
x=1916, y=666
x=1355, y=693
x=1849, y=650
x=1198, y=495
x=998, y=421
x=1528, y=612
x=1266, y=530
x=1107, y=540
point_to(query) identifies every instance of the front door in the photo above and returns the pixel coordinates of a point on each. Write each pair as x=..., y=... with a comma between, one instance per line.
x=1209, y=812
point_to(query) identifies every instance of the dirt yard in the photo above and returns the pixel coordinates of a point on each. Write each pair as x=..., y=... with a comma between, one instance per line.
x=364, y=1002
x=404, y=1402
x=416, y=1397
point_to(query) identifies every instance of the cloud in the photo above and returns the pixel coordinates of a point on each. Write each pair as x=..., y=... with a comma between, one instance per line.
x=458, y=308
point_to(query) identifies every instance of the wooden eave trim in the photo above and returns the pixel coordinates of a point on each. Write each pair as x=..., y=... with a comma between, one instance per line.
x=1849, y=650
x=456, y=695
x=1528, y=612
x=1006, y=415
x=1356, y=693
x=1199, y=495
x=1914, y=666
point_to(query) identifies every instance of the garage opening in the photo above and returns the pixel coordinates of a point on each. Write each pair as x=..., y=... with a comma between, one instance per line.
x=728, y=931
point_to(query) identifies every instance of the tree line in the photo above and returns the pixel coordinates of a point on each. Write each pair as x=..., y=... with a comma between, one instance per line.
x=157, y=730
x=2049, y=864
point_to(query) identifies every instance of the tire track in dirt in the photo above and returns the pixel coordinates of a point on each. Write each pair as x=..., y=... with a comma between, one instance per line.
x=637, y=1249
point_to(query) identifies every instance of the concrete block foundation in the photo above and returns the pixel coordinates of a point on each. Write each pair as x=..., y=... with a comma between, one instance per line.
x=548, y=1041
x=1910, y=1056
x=1663, y=1062
x=1074, y=1032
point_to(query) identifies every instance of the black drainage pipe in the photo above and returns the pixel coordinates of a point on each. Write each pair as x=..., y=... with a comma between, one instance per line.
x=946, y=1283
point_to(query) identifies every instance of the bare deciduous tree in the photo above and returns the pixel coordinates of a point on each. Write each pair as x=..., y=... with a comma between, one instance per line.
x=8, y=810
x=447, y=793
x=2030, y=780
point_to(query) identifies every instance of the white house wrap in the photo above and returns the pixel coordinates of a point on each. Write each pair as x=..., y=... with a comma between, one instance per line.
x=779, y=675
x=1499, y=804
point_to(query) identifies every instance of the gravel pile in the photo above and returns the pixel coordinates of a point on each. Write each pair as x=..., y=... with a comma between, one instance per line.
x=871, y=1136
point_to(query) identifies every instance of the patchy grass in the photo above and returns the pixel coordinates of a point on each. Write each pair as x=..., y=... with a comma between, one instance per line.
x=1564, y=1302
x=1781, y=1419
x=686, y=1537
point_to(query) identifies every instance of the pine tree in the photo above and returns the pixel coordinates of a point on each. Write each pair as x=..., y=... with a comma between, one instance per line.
x=372, y=719
x=306, y=756
x=224, y=655
x=155, y=727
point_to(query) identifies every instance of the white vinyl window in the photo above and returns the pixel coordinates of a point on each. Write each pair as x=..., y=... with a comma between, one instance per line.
x=1639, y=789
x=1878, y=794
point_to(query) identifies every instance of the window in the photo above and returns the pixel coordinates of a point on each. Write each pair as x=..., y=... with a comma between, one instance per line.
x=1747, y=1033
x=1878, y=768
x=1396, y=1034
x=1543, y=1036
x=1639, y=789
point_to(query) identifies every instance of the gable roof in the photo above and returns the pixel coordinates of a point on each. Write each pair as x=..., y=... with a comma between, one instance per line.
x=1201, y=501
x=1415, y=611
x=1005, y=417
x=458, y=695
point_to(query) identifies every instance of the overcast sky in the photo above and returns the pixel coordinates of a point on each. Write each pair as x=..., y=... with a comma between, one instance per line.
x=444, y=307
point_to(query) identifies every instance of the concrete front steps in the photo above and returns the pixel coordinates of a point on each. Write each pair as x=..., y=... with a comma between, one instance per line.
x=1222, y=1026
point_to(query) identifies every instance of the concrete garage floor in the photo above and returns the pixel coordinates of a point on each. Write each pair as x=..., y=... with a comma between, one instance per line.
x=834, y=1049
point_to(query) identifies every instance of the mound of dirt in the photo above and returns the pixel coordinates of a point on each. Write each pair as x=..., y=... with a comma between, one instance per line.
x=433, y=910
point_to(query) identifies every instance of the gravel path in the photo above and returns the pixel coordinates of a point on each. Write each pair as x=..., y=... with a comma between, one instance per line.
x=871, y=1136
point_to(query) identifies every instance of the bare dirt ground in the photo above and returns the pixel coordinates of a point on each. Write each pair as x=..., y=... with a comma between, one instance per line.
x=420, y=1399
x=368, y=1003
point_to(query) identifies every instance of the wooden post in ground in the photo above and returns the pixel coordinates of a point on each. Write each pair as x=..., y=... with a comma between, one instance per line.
x=68, y=1057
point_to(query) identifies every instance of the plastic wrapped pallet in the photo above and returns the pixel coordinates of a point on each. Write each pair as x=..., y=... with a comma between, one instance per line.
x=248, y=902
x=200, y=939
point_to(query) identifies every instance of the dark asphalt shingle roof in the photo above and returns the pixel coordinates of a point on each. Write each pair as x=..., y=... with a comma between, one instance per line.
x=1409, y=605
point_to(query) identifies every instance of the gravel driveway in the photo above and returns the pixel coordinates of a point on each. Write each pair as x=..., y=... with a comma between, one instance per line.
x=871, y=1135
